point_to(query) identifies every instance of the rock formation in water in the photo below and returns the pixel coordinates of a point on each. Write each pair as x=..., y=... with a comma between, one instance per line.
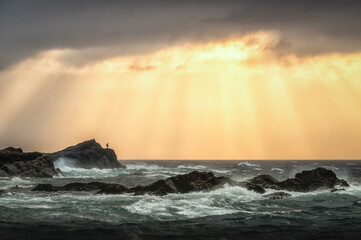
x=306, y=181
x=14, y=162
x=88, y=154
x=92, y=186
x=254, y=187
x=185, y=183
x=277, y=195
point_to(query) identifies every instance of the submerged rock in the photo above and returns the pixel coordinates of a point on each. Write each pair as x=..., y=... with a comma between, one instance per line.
x=306, y=181
x=14, y=162
x=277, y=195
x=92, y=186
x=338, y=189
x=194, y=181
x=88, y=154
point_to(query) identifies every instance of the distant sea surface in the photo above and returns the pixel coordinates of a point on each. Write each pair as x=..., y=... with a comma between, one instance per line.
x=226, y=213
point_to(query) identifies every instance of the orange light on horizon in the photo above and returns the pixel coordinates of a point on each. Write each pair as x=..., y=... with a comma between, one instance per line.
x=233, y=99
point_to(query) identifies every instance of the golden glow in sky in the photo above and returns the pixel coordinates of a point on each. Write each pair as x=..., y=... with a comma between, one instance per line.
x=241, y=98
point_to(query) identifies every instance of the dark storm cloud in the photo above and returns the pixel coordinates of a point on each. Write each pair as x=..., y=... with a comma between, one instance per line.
x=313, y=26
x=107, y=28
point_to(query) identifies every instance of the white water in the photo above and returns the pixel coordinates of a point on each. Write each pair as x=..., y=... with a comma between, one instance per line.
x=248, y=164
x=69, y=169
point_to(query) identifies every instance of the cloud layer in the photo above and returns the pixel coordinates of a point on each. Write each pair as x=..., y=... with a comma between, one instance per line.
x=102, y=29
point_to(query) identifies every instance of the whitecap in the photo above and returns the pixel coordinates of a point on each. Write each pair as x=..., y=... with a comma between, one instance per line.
x=220, y=171
x=197, y=167
x=277, y=170
x=248, y=164
x=351, y=164
x=193, y=205
x=157, y=175
x=17, y=180
x=143, y=166
x=331, y=168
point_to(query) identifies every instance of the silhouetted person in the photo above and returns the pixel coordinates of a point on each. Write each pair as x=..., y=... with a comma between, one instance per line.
x=107, y=145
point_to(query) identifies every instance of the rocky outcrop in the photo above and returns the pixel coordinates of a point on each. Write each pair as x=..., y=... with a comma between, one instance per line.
x=265, y=181
x=306, y=181
x=277, y=195
x=191, y=182
x=93, y=186
x=14, y=162
x=88, y=154
x=255, y=187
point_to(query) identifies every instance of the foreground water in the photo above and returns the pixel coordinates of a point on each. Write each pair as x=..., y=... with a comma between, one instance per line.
x=226, y=213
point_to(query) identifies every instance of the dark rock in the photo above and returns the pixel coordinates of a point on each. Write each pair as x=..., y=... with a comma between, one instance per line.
x=255, y=187
x=337, y=189
x=45, y=188
x=14, y=162
x=11, y=155
x=194, y=181
x=277, y=195
x=306, y=181
x=2, y=192
x=88, y=154
x=114, y=189
x=92, y=186
x=191, y=182
x=12, y=149
x=316, y=179
x=265, y=181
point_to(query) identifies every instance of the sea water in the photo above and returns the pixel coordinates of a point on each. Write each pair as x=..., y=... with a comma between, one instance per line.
x=230, y=212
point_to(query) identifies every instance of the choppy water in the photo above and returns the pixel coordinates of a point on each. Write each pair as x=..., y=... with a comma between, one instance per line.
x=226, y=213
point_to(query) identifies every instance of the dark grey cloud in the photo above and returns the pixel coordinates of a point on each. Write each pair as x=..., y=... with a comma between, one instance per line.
x=106, y=28
x=311, y=26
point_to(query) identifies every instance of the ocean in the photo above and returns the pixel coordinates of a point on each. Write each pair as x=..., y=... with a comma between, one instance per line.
x=230, y=212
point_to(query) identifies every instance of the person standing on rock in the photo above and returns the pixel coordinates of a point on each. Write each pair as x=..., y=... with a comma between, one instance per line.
x=107, y=145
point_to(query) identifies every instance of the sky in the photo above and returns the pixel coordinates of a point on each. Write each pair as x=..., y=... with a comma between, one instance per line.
x=246, y=79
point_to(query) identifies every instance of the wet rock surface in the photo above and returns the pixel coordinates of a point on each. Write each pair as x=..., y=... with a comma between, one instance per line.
x=255, y=187
x=277, y=195
x=14, y=162
x=306, y=181
x=88, y=154
x=191, y=182
x=92, y=186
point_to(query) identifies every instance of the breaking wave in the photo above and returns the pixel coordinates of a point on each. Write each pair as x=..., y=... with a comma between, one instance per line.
x=69, y=169
x=143, y=166
x=197, y=167
x=248, y=164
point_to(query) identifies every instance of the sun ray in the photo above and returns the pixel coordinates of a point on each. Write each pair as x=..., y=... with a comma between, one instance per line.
x=236, y=98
